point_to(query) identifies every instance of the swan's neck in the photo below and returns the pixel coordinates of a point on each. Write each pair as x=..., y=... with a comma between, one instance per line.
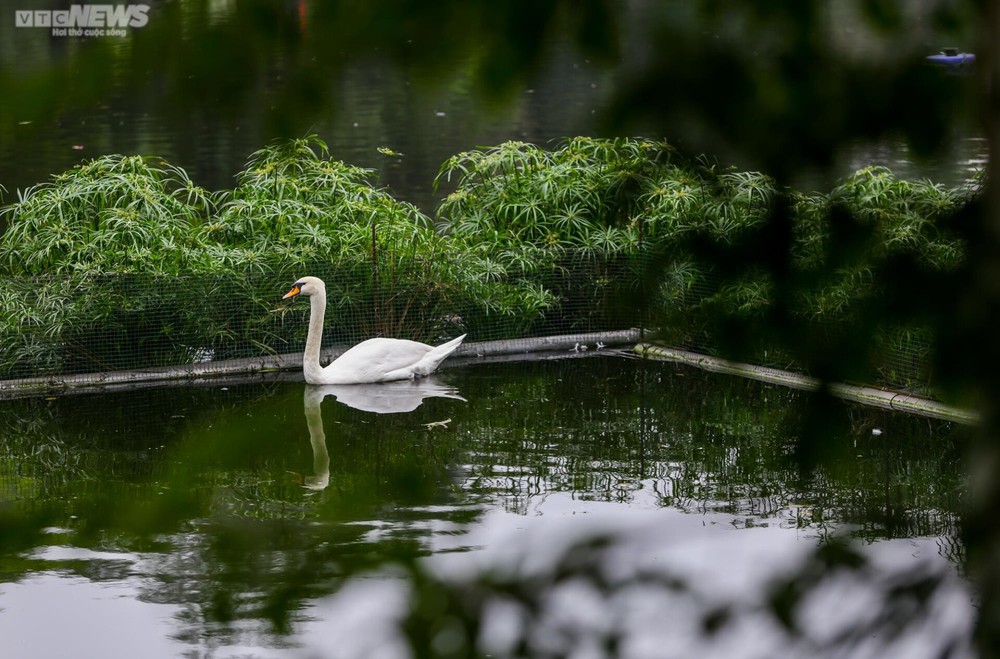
x=310, y=361
x=317, y=436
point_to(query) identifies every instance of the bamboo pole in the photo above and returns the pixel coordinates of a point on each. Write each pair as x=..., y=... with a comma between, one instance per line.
x=882, y=398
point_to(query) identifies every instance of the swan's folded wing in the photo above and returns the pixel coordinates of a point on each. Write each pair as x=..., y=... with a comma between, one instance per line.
x=376, y=360
x=382, y=360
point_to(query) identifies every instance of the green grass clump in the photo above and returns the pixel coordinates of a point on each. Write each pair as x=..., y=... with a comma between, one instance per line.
x=112, y=214
x=119, y=264
x=847, y=250
x=567, y=219
x=599, y=222
x=296, y=211
x=81, y=258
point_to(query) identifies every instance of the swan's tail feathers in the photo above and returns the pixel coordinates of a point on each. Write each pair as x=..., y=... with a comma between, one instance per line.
x=448, y=347
x=436, y=355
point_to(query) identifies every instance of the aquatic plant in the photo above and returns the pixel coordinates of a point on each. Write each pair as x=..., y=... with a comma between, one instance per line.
x=596, y=213
x=570, y=218
x=81, y=257
x=114, y=213
x=135, y=265
x=842, y=244
x=295, y=210
x=565, y=197
x=140, y=267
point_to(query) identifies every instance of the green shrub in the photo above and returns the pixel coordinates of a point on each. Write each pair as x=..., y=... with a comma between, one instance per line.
x=295, y=211
x=599, y=220
x=82, y=256
x=121, y=264
x=112, y=214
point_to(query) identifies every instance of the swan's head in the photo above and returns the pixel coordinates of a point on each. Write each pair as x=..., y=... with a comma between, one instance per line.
x=306, y=286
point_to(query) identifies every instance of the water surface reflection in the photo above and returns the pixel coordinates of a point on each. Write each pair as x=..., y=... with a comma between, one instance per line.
x=382, y=398
x=183, y=510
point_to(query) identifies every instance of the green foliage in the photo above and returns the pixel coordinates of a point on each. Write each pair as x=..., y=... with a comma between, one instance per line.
x=568, y=219
x=292, y=194
x=132, y=261
x=605, y=197
x=296, y=211
x=83, y=260
x=601, y=219
x=112, y=214
x=580, y=195
x=134, y=266
x=841, y=247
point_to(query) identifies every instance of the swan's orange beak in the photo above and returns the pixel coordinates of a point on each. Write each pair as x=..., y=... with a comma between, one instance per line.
x=292, y=293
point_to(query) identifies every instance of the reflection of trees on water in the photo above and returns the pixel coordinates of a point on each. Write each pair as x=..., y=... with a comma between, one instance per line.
x=206, y=486
x=193, y=487
x=706, y=444
x=369, y=101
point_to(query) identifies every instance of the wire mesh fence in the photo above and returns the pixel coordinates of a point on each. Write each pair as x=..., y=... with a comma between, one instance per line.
x=91, y=326
x=121, y=264
x=103, y=327
x=895, y=356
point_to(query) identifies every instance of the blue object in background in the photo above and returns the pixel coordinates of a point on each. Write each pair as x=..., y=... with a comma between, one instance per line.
x=951, y=58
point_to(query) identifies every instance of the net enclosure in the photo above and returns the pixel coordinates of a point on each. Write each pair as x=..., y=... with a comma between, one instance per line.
x=102, y=328
x=123, y=264
x=80, y=329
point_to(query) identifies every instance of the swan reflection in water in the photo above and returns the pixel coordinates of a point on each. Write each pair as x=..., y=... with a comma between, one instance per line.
x=383, y=398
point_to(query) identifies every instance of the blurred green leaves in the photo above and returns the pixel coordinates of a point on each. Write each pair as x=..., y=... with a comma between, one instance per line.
x=782, y=87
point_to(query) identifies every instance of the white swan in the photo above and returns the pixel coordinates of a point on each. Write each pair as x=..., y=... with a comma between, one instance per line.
x=374, y=360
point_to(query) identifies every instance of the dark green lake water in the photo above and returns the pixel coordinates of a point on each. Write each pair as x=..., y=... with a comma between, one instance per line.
x=226, y=520
x=369, y=103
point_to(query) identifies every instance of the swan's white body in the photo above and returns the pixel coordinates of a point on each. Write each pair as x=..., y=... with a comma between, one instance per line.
x=374, y=360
